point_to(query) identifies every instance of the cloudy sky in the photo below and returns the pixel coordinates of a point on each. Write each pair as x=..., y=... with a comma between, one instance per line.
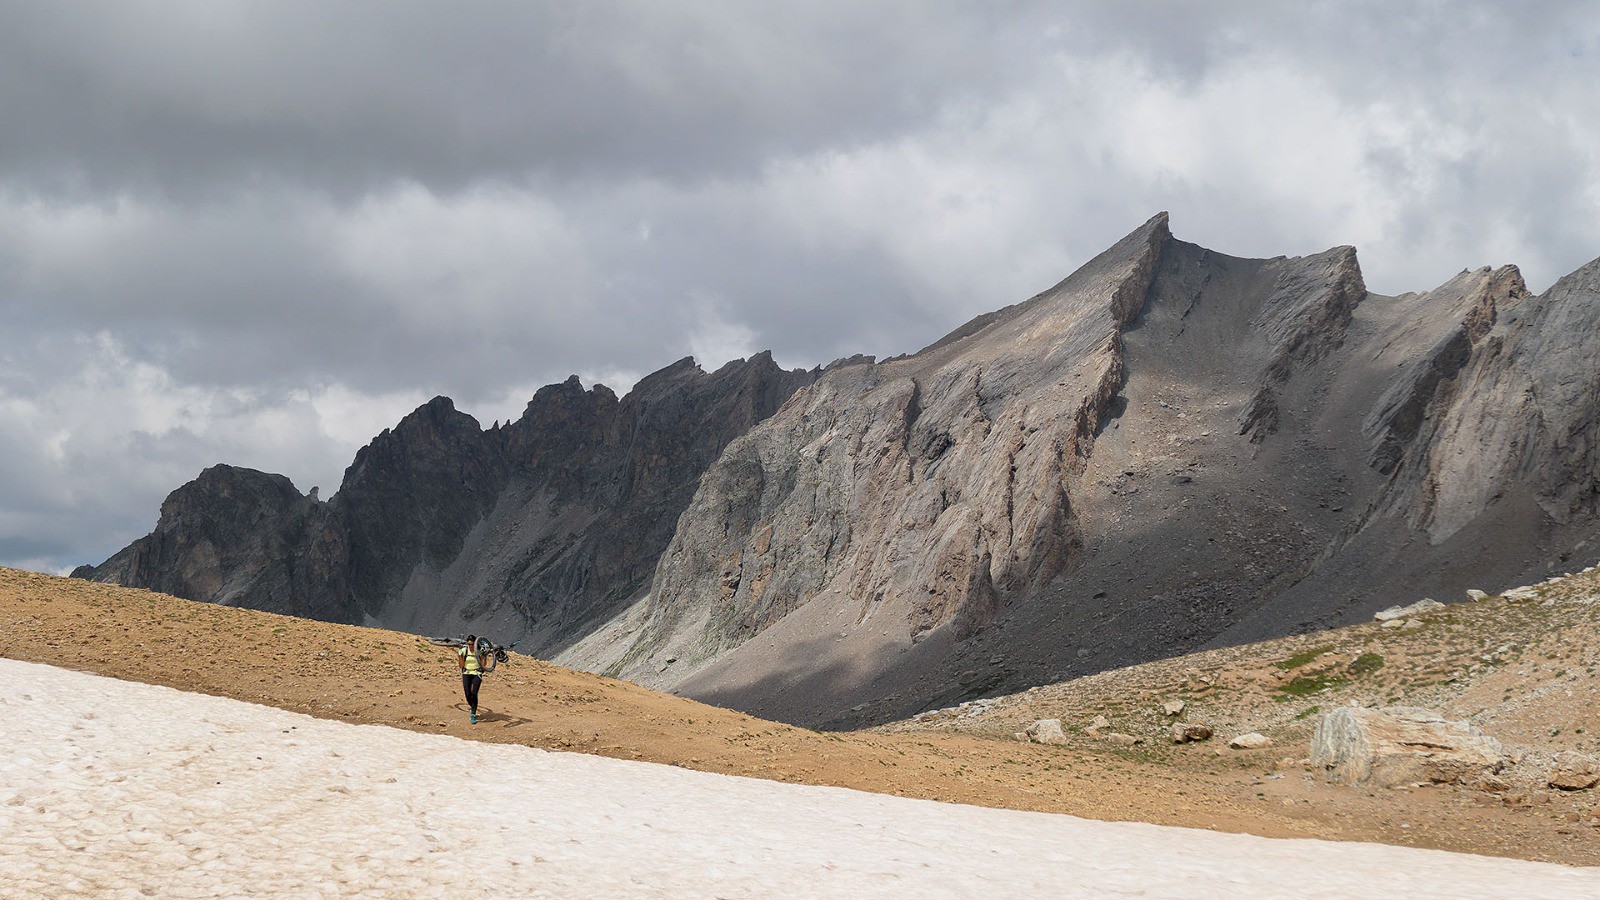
x=260, y=232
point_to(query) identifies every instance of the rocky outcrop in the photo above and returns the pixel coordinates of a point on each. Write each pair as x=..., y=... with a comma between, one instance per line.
x=1469, y=304
x=412, y=496
x=1524, y=417
x=1046, y=731
x=1395, y=613
x=1574, y=771
x=242, y=538
x=1301, y=321
x=1401, y=745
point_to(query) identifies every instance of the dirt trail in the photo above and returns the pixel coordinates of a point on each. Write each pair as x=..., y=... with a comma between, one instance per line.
x=372, y=676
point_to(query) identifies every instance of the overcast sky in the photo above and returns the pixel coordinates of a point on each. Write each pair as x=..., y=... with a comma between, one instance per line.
x=260, y=232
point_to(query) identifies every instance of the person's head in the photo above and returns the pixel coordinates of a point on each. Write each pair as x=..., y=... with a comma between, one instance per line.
x=472, y=641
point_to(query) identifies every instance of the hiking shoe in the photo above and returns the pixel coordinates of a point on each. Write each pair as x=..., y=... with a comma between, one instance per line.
x=474, y=718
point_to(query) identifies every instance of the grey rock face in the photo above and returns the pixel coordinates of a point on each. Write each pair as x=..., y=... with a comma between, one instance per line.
x=241, y=538
x=1523, y=417
x=1401, y=745
x=919, y=493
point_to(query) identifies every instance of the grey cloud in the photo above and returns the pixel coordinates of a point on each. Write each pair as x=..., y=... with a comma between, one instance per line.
x=347, y=95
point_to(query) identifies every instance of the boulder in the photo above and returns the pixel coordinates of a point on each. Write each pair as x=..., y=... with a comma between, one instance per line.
x=1574, y=771
x=1173, y=707
x=1046, y=731
x=1476, y=595
x=1490, y=783
x=1100, y=722
x=1187, y=732
x=1402, y=745
x=1403, y=612
x=1252, y=741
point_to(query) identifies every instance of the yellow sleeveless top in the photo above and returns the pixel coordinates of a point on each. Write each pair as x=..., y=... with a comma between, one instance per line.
x=471, y=661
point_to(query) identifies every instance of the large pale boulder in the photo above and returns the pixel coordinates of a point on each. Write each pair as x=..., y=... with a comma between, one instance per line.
x=1574, y=771
x=1255, y=740
x=1046, y=731
x=1405, y=612
x=1399, y=745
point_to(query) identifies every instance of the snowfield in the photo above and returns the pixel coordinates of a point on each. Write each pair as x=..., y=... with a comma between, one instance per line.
x=111, y=788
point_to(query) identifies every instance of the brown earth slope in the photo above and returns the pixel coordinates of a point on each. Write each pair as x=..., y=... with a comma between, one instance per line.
x=372, y=676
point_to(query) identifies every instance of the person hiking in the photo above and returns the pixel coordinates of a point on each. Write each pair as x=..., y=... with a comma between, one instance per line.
x=471, y=660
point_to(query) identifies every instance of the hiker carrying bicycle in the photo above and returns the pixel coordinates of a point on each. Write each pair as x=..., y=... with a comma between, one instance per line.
x=473, y=659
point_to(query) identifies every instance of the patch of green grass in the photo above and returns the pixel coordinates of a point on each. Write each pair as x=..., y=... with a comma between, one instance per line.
x=1365, y=664
x=1305, y=686
x=1308, y=712
x=1300, y=659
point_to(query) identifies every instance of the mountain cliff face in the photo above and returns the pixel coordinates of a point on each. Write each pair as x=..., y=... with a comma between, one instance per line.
x=917, y=493
x=1169, y=450
x=242, y=538
x=534, y=529
x=1521, y=415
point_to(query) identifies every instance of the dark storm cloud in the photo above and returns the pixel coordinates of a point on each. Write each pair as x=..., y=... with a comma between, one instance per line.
x=260, y=232
x=183, y=96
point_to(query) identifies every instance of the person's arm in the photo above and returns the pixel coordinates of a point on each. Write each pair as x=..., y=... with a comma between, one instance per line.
x=461, y=661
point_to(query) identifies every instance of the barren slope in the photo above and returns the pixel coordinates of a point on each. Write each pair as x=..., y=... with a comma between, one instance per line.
x=1527, y=671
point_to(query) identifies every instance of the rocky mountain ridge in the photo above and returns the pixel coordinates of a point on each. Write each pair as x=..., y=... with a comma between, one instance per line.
x=531, y=528
x=1172, y=449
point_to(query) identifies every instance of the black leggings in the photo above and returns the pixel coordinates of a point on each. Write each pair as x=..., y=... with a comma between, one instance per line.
x=469, y=684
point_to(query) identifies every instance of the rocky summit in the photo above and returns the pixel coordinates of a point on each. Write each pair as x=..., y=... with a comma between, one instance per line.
x=1170, y=450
